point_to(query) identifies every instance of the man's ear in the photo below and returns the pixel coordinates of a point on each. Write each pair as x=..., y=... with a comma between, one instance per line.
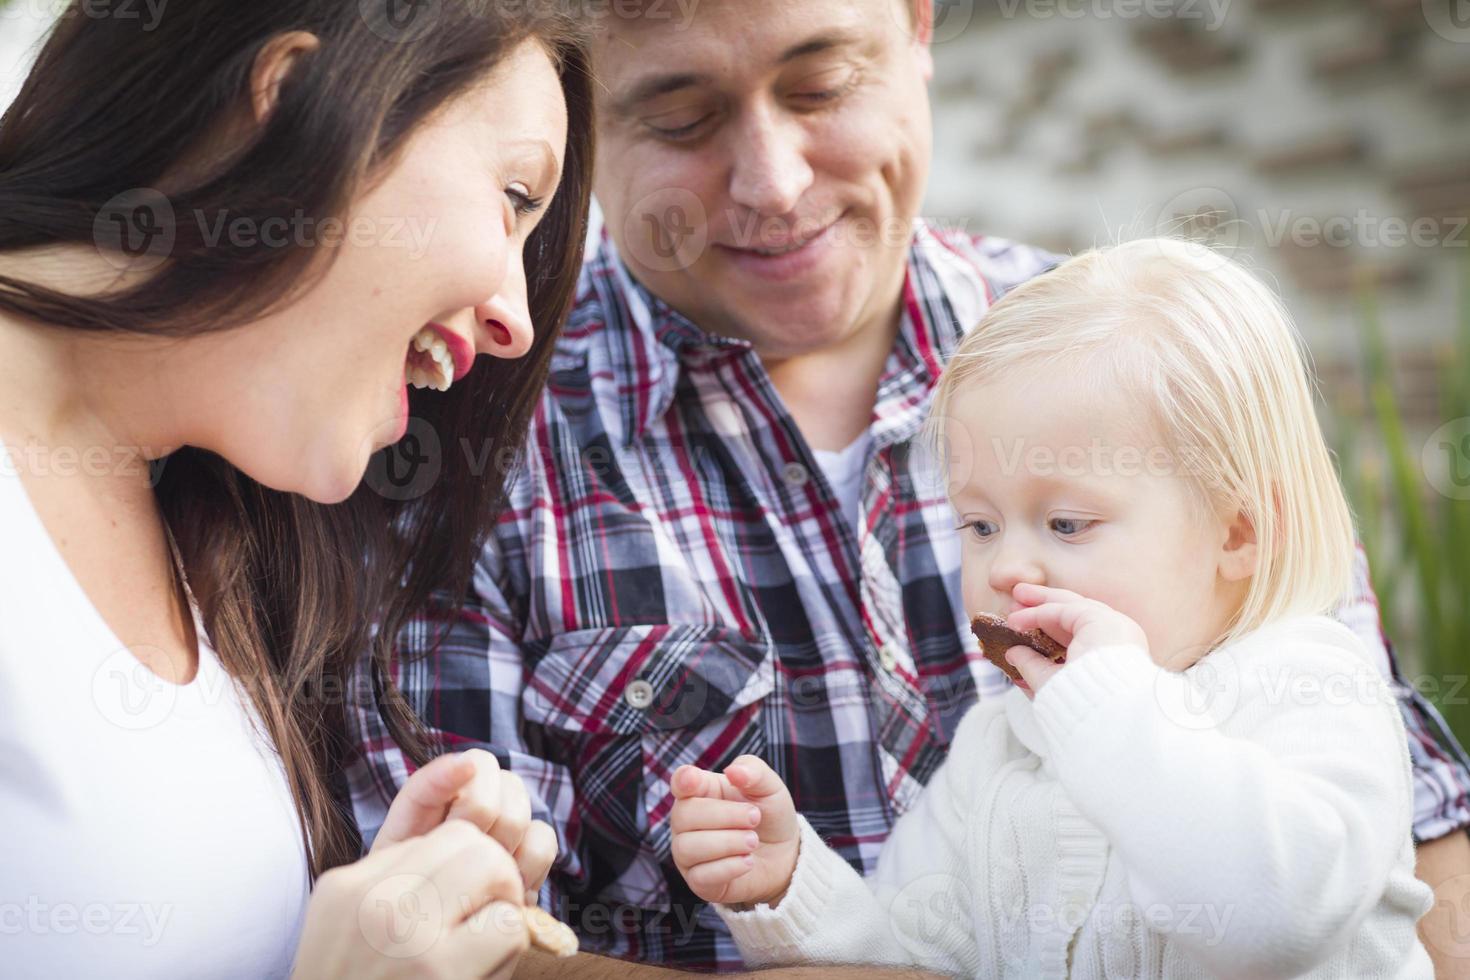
x=1239, y=554
x=272, y=67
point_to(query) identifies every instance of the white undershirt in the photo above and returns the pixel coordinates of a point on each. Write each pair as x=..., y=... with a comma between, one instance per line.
x=146, y=828
x=845, y=470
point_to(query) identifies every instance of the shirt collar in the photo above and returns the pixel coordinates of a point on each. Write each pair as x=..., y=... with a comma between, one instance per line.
x=651, y=343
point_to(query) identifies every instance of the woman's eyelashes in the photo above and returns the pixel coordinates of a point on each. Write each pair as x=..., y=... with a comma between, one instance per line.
x=521, y=200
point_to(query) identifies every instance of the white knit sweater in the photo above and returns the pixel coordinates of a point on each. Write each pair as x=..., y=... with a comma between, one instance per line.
x=1247, y=818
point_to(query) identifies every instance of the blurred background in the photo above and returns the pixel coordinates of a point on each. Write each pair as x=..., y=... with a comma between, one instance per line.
x=1326, y=142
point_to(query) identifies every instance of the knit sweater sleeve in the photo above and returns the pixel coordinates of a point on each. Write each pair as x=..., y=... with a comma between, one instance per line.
x=915, y=909
x=1272, y=790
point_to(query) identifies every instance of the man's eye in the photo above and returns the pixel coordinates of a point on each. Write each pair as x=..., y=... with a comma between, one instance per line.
x=677, y=133
x=1069, y=526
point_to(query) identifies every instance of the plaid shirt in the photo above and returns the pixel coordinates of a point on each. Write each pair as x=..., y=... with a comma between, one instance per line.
x=674, y=582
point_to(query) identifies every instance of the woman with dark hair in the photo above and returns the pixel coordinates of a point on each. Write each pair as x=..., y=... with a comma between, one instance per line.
x=242, y=247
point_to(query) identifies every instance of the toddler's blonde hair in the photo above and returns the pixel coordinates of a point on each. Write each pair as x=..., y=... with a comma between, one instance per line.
x=1209, y=352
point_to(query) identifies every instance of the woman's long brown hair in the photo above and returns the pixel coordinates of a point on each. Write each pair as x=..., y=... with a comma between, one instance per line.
x=293, y=594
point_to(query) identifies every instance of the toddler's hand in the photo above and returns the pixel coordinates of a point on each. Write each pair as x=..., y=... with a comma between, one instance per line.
x=736, y=836
x=1080, y=624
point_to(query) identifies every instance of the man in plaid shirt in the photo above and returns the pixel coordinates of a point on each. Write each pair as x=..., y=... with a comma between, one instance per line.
x=725, y=538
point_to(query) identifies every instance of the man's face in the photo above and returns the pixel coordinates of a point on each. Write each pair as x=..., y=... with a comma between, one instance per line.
x=760, y=163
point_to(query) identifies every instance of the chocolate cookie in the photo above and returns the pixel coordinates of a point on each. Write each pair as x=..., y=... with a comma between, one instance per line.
x=996, y=638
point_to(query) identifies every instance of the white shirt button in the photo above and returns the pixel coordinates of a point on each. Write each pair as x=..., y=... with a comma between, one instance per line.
x=795, y=475
x=888, y=656
x=638, y=694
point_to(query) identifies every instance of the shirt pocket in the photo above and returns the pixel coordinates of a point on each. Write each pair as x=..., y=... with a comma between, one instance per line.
x=623, y=708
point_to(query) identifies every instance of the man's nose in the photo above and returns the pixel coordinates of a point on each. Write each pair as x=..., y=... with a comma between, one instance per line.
x=770, y=171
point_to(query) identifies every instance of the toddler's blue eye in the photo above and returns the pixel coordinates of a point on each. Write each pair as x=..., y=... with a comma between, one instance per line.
x=1068, y=526
x=980, y=529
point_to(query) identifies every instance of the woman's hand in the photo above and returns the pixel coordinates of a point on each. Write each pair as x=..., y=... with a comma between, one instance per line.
x=1080, y=624
x=736, y=836
x=471, y=786
x=446, y=904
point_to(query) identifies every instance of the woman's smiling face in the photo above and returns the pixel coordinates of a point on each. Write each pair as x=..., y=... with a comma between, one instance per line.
x=301, y=399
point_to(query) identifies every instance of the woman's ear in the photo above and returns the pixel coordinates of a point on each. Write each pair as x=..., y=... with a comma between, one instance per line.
x=1239, y=553
x=273, y=65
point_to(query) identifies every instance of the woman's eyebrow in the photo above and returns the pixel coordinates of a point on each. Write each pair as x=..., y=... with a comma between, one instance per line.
x=540, y=153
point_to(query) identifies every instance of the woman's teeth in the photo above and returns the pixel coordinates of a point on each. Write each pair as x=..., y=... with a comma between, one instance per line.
x=436, y=368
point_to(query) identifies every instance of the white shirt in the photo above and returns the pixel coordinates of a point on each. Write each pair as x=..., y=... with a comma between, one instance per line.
x=845, y=470
x=1247, y=818
x=146, y=828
